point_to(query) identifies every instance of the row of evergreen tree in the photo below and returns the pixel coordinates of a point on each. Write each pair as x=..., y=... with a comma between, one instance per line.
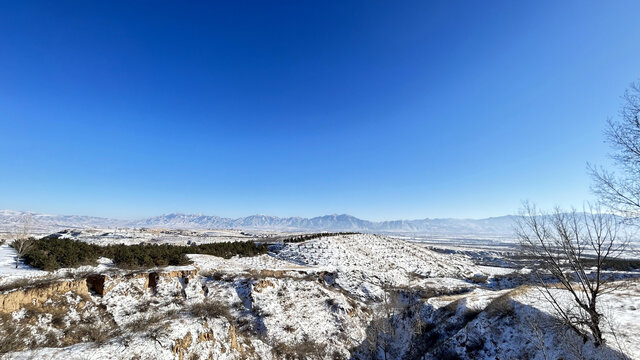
x=51, y=253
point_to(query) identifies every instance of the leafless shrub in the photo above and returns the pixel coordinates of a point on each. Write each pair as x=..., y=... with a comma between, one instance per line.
x=503, y=305
x=23, y=242
x=500, y=306
x=211, y=309
x=98, y=332
x=145, y=323
x=613, y=327
x=382, y=328
x=51, y=339
x=58, y=319
x=452, y=307
x=178, y=300
x=537, y=329
x=14, y=335
x=306, y=349
x=143, y=306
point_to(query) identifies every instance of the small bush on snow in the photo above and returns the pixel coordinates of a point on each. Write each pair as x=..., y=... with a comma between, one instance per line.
x=145, y=322
x=13, y=335
x=301, y=351
x=211, y=309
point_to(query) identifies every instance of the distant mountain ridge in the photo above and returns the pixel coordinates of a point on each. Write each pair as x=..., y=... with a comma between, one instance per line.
x=496, y=226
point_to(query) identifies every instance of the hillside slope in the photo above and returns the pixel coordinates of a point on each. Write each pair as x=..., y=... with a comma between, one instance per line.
x=335, y=297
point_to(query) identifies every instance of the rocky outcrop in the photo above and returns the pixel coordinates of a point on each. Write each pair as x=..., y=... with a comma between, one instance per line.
x=14, y=300
x=262, y=284
x=181, y=346
x=206, y=336
x=96, y=283
x=232, y=339
x=184, y=275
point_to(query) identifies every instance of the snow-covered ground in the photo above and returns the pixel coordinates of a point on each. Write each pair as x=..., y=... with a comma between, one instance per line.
x=335, y=297
x=8, y=268
x=161, y=236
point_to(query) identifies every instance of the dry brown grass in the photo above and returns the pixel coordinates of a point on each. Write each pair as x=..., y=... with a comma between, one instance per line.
x=27, y=283
x=217, y=275
x=14, y=336
x=453, y=305
x=503, y=304
x=211, y=309
x=301, y=351
x=145, y=323
x=95, y=325
x=98, y=333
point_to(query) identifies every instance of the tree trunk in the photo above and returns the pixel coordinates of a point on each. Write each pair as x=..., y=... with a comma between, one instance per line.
x=595, y=326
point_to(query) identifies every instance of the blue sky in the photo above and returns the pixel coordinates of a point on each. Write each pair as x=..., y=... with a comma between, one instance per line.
x=382, y=110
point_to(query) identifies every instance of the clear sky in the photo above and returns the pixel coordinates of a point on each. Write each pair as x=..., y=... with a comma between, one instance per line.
x=379, y=109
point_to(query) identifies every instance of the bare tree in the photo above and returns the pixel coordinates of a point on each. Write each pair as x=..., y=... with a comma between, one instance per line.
x=536, y=328
x=621, y=192
x=381, y=332
x=573, y=250
x=412, y=310
x=389, y=308
x=23, y=241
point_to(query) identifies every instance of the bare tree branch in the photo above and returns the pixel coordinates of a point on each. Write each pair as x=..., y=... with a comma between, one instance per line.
x=566, y=244
x=621, y=193
x=23, y=241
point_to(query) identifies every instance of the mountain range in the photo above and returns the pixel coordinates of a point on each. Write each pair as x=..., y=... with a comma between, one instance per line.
x=495, y=226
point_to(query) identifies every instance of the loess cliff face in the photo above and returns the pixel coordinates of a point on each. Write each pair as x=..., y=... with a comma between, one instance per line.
x=39, y=295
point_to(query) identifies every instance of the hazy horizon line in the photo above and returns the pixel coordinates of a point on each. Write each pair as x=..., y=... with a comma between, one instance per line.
x=257, y=214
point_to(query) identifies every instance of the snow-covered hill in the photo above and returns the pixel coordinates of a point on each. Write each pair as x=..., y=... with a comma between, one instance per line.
x=359, y=297
x=497, y=226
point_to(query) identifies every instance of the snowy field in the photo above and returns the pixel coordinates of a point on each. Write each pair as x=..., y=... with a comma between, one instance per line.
x=8, y=266
x=319, y=299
